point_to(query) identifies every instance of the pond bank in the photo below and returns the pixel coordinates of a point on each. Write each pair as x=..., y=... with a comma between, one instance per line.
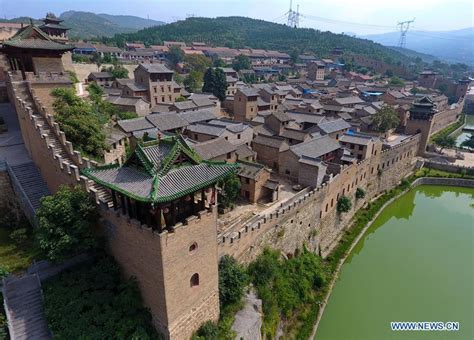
x=419, y=181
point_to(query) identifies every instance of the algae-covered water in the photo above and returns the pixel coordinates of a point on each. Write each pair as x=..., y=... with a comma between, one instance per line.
x=415, y=263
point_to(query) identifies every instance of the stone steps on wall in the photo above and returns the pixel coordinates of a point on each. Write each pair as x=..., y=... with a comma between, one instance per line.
x=31, y=181
x=24, y=308
x=23, y=92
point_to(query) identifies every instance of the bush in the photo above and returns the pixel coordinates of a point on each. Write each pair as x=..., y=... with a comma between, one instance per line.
x=286, y=286
x=232, y=281
x=66, y=221
x=344, y=204
x=126, y=115
x=93, y=302
x=360, y=193
x=208, y=331
x=81, y=121
x=230, y=190
x=20, y=236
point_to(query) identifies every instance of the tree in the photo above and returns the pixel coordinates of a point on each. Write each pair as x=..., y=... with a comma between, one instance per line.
x=443, y=88
x=126, y=115
x=95, y=91
x=230, y=190
x=82, y=121
x=395, y=81
x=97, y=59
x=117, y=71
x=232, y=281
x=175, y=55
x=193, y=82
x=66, y=221
x=180, y=99
x=218, y=62
x=215, y=83
x=360, y=193
x=444, y=141
x=344, y=204
x=469, y=143
x=294, y=55
x=385, y=119
x=389, y=73
x=241, y=62
x=198, y=63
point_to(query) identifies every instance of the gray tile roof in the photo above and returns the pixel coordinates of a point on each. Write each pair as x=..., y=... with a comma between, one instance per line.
x=130, y=179
x=167, y=121
x=294, y=134
x=348, y=100
x=135, y=124
x=155, y=68
x=156, y=153
x=190, y=178
x=202, y=115
x=271, y=141
x=315, y=147
x=214, y=148
x=185, y=105
x=334, y=125
x=128, y=101
x=281, y=116
x=248, y=91
x=358, y=139
x=244, y=151
x=307, y=117
x=250, y=169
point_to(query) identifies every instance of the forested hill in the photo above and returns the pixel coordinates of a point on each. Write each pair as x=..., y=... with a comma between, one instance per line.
x=239, y=32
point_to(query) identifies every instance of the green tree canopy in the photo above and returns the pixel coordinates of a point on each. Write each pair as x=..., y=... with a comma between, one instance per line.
x=444, y=141
x=175, y=55
x=241, y=62
x=193, y=81
x=230, y=190
x=82, y=121
x=344, y=204
x=395, y=81
x=232, y=281
x=385, y=119
x=66, y=222
x=215, y=82
x=198, y=62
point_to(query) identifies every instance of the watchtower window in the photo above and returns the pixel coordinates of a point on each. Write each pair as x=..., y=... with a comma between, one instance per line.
x=194, y=281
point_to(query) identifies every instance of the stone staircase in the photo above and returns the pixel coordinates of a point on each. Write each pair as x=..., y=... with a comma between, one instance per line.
x=32, y=184
x=24, y=308
x=21, y=90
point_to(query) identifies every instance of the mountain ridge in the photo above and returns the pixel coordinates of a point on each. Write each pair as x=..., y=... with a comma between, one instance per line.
x=87, y=25
x=454, y=46
x=242, y=32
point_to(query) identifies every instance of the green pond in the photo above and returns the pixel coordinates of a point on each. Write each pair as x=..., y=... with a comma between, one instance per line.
x=464, y=135
x=415, y=263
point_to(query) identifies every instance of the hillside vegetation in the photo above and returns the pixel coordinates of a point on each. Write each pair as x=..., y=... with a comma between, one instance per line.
x=89, y=25
x=240, y=32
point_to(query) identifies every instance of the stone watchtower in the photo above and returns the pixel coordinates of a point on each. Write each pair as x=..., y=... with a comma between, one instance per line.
x=162, y=230
x=420, y=120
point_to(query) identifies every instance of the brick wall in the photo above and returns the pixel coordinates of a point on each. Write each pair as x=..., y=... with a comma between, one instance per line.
x=304, y=221
x=163, y=265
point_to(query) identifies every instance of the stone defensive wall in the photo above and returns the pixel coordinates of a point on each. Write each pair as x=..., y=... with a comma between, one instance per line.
x=446, y=117
x=311, y=218
x=161, y=262
x=455, y=182
x=46, y=144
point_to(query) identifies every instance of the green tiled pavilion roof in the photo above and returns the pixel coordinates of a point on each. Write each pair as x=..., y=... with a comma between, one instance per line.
x=31, y=37
x=156, y=179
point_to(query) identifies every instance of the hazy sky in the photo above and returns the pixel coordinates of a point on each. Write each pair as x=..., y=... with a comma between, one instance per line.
x=360, y=17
